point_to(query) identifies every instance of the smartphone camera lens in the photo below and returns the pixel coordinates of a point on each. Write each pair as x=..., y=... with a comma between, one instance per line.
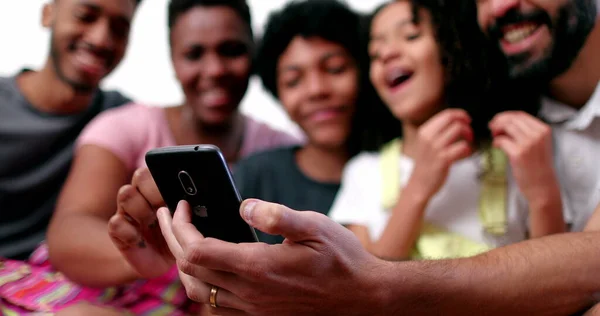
x=186, y=182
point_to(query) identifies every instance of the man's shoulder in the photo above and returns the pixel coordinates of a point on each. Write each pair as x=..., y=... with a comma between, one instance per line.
x=8, y=87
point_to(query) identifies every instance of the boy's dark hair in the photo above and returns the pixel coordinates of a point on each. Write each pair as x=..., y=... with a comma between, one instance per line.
x=330, y=20
x=179, y=7
x=476, y=79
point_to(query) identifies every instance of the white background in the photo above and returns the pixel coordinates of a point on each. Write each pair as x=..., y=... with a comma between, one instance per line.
x=145, y=74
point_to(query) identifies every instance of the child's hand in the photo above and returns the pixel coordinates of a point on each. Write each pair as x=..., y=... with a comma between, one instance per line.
x=527, y=142
x=441, y=141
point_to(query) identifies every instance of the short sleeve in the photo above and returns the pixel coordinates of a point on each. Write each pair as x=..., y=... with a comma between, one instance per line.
x=356, y=200
x=118, y=130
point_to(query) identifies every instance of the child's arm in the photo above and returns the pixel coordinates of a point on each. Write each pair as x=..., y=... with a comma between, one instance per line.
x=403, y=228
x=593, y=223
x=441, y=141
x=546, y=212
x=527, y=142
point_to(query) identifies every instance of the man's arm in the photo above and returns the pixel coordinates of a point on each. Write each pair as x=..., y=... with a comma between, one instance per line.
x=555, y=275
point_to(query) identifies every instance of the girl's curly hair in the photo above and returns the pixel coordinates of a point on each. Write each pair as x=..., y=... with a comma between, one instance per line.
x=475, y=71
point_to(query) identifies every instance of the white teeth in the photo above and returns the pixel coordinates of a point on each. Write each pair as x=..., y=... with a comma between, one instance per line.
x=519, y=34
x=394, y=74
x=89, y=59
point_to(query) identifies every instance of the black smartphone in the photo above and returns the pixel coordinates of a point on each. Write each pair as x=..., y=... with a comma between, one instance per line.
x=200, y=175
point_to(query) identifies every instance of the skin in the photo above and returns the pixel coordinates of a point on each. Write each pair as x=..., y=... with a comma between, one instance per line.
x=557, y=53
x=436, y=140
x=319, y=256
x=317, y=83
x=88, y=40
x=211, y=54
x=325, y=255
x=103, y=174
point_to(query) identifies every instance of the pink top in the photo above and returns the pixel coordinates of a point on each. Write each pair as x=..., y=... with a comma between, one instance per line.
x=133, y=129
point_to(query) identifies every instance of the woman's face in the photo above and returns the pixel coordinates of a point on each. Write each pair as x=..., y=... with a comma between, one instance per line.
x=317, y=83
x=211, y=49
x=406, y=68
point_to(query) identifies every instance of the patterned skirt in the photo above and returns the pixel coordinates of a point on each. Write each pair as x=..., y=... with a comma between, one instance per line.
x=35, y=288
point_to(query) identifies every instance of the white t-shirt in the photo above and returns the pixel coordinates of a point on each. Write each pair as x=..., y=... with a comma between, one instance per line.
x=454, y=208
x=577, y=156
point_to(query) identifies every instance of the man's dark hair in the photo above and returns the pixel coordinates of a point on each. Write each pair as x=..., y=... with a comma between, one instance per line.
x=179, y=7
x=475, y=71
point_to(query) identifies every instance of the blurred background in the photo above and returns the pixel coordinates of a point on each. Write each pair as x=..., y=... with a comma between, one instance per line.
x=145, y=74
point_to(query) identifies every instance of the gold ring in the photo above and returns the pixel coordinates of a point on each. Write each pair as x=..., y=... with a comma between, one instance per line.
x=213, y=296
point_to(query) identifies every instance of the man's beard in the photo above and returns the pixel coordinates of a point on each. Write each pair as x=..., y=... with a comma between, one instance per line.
x=55, y=56
x=570, y=30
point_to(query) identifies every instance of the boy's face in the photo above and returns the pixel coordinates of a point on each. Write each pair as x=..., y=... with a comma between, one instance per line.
x=317, y=83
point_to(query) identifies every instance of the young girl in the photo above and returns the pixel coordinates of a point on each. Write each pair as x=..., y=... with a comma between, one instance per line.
x=441, y=190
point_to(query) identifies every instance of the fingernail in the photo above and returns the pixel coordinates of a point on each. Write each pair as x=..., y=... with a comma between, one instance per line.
x=248, y=210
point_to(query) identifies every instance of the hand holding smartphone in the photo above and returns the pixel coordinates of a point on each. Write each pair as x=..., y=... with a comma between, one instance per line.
x=200, y=175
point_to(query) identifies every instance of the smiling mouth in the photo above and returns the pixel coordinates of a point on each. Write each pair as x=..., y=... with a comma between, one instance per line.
x=91, y=63
x=518, y=32
x=397, y=77
x=326, y=114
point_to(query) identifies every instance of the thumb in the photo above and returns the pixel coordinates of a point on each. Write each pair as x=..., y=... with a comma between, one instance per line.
x=276, y=219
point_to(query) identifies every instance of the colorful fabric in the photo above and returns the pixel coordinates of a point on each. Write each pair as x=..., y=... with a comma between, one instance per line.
x=35, y=288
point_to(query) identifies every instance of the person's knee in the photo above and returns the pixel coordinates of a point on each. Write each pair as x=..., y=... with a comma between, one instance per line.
x=90, y=310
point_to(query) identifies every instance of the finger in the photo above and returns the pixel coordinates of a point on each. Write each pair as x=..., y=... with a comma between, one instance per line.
x=131, y=202
x=199, y=291
x=458, y=151
x=526, y=122
x=512, y=130
x=166, y=222
x=525, y=128
x=184, y=231
x=126, y=236
x=454, y=132
x=507, y=145
x=219, y=278
x=276, y=219
x=441, y=120
x=123, y=232
x=142, y=180
x=500, y=120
